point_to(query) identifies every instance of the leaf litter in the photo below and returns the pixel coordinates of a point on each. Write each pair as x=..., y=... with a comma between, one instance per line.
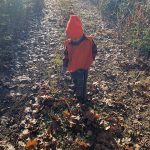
x=116, y=116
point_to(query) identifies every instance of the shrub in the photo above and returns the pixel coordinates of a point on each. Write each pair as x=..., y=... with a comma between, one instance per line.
x=15, y=16
x=141, y=40
x=132, y=18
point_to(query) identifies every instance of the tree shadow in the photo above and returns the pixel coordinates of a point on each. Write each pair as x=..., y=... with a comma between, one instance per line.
x=11, y=48
x=90, y=128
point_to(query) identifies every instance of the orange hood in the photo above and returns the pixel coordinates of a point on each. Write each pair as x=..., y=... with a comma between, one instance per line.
x=74, y=27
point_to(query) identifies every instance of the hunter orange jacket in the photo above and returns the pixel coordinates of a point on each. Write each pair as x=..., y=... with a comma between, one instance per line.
x=79, y=56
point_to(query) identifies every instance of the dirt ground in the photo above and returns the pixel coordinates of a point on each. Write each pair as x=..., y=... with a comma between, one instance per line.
x=37, y=108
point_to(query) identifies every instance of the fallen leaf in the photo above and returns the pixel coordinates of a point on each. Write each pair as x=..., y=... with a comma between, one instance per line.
x=107, y=128
x=31, y=143
x=46, y=97
x=82, y=143
x=66, y=113
x=92, y=115
x=25, y=133
x=128, y=148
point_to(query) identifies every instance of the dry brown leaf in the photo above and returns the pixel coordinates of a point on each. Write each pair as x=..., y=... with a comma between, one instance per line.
x=75, y=117
x=97, y=116
x=25, y=133
x=92, y=115
x=46, y=97
x=71, y=124
x=82, y=143
x=31, y=143
x=35, y=106
x=66, y=113
x=128, y=148
x=54, y=117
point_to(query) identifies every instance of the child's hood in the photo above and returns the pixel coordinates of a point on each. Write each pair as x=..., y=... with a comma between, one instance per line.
x=74, y=27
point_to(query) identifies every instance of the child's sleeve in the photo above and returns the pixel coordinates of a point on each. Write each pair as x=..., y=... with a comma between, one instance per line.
x=65, y=59
x=94, y=50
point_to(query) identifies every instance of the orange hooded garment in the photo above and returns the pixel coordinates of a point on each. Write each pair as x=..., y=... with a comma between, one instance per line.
x=80, y=56
x=74, y=27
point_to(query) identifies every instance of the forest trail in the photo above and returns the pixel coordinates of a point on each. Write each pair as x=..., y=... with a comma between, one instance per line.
x=35, y=98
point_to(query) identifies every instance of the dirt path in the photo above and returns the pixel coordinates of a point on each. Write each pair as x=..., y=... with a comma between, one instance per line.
x=112, y=85
x=120, y=74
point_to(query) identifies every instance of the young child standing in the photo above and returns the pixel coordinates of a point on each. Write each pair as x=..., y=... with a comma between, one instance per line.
x=80, y=52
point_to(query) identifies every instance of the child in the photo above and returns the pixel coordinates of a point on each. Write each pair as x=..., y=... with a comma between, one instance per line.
x=80, y=52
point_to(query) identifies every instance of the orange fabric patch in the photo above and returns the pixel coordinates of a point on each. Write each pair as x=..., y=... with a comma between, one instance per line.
x=80, y=56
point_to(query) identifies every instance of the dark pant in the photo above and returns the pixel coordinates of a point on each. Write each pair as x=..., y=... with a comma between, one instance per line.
x=79, y=78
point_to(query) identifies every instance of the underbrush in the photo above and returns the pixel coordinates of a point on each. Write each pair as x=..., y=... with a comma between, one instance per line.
x=15, y=16
x=131, y=19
